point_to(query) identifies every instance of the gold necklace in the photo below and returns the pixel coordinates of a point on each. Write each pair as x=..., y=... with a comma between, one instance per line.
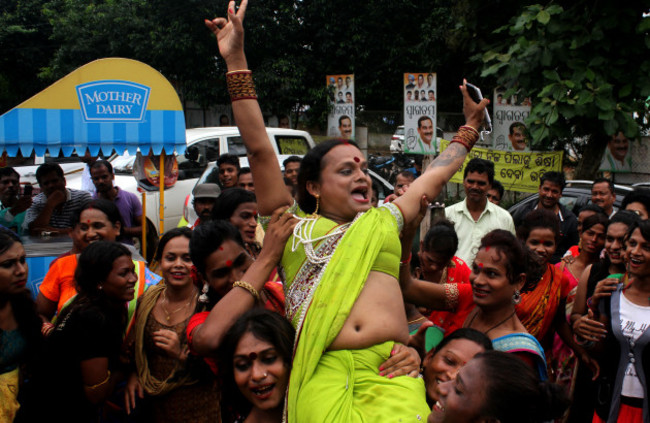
x=168, y=315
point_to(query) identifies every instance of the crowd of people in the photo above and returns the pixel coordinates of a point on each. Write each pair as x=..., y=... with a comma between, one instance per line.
x=293, y=297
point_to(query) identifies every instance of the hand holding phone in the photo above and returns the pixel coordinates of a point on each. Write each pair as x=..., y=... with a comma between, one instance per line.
x=476, y=95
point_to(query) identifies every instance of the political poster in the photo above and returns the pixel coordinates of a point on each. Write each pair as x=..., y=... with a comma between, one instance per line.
x=420, y=113
x=626, y=160
x=340, y=120
x=509, y=130
x=516, y=170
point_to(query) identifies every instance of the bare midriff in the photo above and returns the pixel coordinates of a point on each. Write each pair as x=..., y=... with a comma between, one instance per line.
x=377, y=316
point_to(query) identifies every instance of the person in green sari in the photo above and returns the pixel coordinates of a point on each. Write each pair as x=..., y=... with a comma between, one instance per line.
x=342, y=263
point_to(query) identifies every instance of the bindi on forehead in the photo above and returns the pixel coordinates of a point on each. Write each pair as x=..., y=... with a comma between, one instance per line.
x=356, y=159
x=229, y=263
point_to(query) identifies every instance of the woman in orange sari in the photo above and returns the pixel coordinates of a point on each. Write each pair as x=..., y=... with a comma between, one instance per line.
x=541, y=310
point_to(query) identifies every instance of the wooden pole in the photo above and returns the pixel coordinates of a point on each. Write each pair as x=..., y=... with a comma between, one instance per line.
x=161, y=211
x=144, y=225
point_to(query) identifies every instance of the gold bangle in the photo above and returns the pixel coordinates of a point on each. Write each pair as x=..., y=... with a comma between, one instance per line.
x=108, y=376
x=248, y=287
x=240, y=85
x=238, y=70
x=472, y=128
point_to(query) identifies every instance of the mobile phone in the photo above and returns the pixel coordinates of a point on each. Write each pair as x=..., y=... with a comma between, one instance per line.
x=27, y=191
x=476, y=95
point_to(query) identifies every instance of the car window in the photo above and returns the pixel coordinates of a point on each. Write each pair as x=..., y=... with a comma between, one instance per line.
x=292, y=145
x=399, y=131
x=568, y=202
x=196, y=158
x=236, y=146
x=211, y=176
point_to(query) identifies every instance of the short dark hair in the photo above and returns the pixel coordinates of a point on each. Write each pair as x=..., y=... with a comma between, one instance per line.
x=610, y=184
x=519, y=258
x=422, y=119
x=291, y=159
x=499, y=187
x=8, y=171
x=264, y=325
x=637, y=196
x=643, y=226
x=104, y=163
x=208, y=237
x=594, y=208
x=46, y=169
x=310, y=169
x=342, y=118
x=168, y=236
x=470, y=334
x=596, y=219
x=556, y=178
x=407, y=174
x=228, y=202
x=105, y=206
x=536, y=219
x=244, y=170
x=513, y=125
x=441, y=238
x=626, y=217
x=230, y=159
x=480, y=166
x=514, y=393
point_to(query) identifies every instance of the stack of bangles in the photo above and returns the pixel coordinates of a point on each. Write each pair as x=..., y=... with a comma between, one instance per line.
x=248, y=287
x=240, y=85
x=466, y=136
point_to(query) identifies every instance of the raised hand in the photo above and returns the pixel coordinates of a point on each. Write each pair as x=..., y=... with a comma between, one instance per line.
x=230, y=35
x=474, y=113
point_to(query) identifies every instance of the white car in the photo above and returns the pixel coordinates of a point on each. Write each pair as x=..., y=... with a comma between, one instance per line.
x=204, y=146
x=211, y=175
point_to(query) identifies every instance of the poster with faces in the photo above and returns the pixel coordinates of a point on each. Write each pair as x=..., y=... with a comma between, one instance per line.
x=340, y=93
x=420, y=113
x=509, y=130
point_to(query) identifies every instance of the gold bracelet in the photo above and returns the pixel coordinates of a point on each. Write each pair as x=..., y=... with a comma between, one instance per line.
x=100, y=383
x=240, y=85
x=237, y=71
x=248, y=287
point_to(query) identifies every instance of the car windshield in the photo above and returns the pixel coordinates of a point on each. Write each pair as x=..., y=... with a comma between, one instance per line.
x=399, y=131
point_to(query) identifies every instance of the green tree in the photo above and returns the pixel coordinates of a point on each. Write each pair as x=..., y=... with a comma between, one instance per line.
x=25, y=47
x=587, y=65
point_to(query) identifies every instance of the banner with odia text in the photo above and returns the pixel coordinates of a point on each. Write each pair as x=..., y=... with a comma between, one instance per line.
x=517, y=171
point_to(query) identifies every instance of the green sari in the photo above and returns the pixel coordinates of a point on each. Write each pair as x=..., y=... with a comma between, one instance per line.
x=319, y=298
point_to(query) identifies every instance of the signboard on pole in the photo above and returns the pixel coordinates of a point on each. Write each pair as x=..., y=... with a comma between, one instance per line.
x=340, y=120
x=420, y=113
x=509, y=131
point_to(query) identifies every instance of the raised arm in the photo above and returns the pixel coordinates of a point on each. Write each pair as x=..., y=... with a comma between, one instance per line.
x=415, y=291
x=270, y=190
x=447, y=163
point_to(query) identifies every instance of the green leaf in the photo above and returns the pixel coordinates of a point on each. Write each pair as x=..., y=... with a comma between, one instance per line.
x=610, y=127
x=606, y=115
x=590, y=74
x=625, y=91
x=604, y=103
x=552, y=118
x=543, y=17
x=554, y=9
x=551, y=74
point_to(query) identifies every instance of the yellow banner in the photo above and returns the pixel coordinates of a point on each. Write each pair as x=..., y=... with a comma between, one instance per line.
x=516, y=171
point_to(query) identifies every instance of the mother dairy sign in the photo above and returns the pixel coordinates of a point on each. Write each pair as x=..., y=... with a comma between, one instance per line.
x=109, y=104
x=113, y=101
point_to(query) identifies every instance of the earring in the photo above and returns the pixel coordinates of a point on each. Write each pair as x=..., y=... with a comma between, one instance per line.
x=317, y=205
x=203, y=298
x=516, y=298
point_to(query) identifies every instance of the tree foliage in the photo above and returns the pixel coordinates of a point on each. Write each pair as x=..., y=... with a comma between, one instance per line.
x=587, y=65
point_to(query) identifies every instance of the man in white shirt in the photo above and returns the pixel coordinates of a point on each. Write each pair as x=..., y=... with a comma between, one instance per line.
x=475, y=216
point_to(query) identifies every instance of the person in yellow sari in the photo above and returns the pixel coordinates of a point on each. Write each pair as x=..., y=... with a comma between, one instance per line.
x=341, y=264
